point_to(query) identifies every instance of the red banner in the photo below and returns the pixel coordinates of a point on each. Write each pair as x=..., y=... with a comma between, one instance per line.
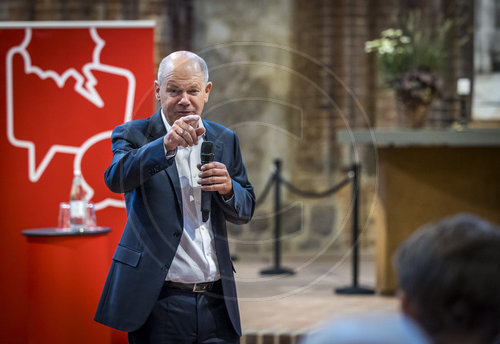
x=64, y=87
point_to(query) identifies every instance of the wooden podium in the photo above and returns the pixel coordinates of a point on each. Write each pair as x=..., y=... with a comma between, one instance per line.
x=424, y=175
x=66, y=273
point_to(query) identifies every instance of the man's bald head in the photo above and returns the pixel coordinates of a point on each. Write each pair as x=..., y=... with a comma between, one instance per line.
x=182, y=61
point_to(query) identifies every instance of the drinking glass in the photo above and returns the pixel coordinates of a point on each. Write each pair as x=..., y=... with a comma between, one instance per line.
x=64, y=223
x=90, y=218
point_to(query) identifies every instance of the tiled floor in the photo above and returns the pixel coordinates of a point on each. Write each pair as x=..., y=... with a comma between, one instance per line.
x=301, y=302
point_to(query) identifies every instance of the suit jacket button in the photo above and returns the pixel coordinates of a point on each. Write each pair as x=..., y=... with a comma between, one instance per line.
x=177, y=234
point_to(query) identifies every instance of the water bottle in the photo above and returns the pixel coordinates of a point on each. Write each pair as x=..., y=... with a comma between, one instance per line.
x=77, y=204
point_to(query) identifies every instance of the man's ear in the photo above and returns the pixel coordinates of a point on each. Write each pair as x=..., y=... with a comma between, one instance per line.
x=157, y=90
x=407, y=305
x=208, y=87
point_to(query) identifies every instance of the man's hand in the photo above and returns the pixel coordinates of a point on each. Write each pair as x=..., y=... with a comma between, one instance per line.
x=183, y=133
x=215, y=177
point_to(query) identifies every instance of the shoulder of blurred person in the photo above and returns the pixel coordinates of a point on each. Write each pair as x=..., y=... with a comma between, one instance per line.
x=449, y=279
x=374, y=328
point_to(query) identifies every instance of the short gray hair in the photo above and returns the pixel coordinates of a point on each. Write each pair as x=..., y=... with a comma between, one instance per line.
x=192, y=56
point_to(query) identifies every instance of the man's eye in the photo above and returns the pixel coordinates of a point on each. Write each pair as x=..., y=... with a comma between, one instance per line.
x=173, y=91
x=193, y=92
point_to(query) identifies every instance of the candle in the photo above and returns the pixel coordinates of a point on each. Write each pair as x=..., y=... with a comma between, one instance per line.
x=463, y=86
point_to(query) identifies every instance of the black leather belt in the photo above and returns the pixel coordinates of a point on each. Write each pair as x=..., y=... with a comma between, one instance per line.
x=194, y=287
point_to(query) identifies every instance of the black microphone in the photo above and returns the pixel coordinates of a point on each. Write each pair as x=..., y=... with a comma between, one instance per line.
x=207, y=155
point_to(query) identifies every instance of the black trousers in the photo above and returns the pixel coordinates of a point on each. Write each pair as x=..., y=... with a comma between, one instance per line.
x=183, y=316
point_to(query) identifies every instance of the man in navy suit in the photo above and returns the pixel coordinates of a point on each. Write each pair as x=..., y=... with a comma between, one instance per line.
x=171, y=278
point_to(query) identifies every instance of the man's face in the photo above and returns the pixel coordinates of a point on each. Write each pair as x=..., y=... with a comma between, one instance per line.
x=182, y=91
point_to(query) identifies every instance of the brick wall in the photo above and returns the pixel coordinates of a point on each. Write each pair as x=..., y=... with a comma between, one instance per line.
x=332, y=34
x=307, y=56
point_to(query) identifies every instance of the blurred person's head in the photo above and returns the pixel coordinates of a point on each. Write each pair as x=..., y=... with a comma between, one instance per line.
x=449, y=279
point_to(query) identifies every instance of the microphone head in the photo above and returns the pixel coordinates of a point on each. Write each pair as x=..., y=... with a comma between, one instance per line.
x=207, y=148
x=207, y=152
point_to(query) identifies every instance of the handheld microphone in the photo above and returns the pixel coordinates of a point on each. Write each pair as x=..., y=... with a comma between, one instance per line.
x=207, y=155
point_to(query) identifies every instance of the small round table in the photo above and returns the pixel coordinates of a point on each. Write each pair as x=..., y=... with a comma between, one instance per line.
x=53, y=231
x=66, y=273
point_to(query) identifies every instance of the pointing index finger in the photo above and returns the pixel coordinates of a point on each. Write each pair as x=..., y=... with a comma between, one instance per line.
x=191, y=119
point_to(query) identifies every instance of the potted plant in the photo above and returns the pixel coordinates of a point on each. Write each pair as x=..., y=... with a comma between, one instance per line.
x=410, y=59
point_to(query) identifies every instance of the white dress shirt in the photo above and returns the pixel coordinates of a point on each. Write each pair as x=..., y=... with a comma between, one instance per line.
x=195, y=260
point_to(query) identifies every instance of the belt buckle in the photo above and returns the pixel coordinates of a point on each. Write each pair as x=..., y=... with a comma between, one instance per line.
x=201, y=287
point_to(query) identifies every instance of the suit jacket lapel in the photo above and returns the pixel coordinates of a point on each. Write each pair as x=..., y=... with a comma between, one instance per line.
x=218, y=144
x=174, y=178
x=218, y=147
x=156, y=130
x=156, y=127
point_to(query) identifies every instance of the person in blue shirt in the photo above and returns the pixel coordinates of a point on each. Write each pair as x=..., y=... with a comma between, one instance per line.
x=449, y=290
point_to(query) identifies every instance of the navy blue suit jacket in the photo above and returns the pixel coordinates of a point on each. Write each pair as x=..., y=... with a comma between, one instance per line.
x=155, y=223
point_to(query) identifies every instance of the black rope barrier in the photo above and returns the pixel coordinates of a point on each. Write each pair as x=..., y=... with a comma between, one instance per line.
x=313, y=194
x=278, y=180
x=267, y=188
x=353, y=174
x=304, y=193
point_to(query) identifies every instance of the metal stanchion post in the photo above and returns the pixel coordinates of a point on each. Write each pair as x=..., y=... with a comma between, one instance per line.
x=463, y=112
x=277, y=269
x=355, y=288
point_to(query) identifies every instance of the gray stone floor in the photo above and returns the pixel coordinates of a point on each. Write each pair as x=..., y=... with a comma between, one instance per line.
x=303, y=301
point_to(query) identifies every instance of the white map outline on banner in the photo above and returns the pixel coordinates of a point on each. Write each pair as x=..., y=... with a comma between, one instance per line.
x=107, y=202
x=87, y=90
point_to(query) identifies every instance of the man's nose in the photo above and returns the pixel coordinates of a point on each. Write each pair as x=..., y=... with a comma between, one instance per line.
x=184, y=99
